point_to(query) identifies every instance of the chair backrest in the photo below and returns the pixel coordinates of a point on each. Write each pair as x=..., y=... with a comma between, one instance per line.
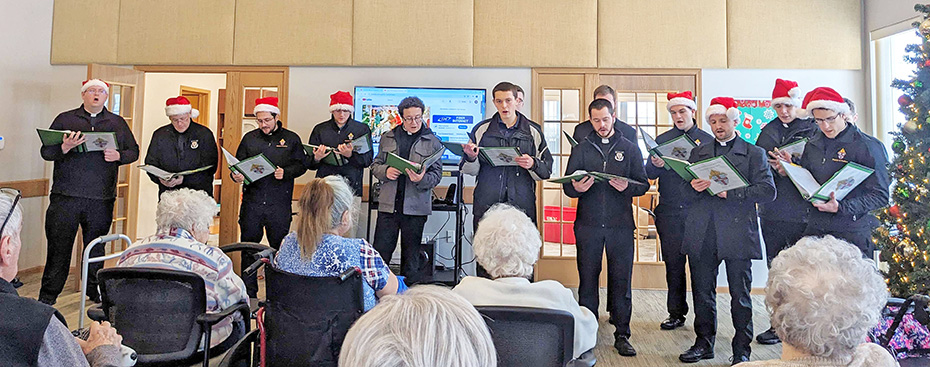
x=529, y=336
x=155, y=311
x=307, y=318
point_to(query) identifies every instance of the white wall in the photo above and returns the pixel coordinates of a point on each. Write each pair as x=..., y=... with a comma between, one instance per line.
x=34, y=93
x=759, y=84
x=308, y=103
x=158, y=88
x=883, y=13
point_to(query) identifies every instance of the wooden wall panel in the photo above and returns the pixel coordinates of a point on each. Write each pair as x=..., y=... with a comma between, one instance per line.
x=661, y=34
x=193, y=32
x=413, y=32
x=73, y=42
x=794, y=34
x=536, y=33
x=293, y=32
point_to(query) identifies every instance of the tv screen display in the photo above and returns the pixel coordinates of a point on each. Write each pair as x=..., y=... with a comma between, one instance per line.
x=450, y=113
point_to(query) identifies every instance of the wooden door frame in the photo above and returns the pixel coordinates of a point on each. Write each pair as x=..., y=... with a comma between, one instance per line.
x=204, y=105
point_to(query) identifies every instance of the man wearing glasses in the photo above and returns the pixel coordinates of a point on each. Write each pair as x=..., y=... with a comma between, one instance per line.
x=266, y=203
x=181, y=146
x=837, y=143
x=405, y=199
x=337, y=134
x=84, y=186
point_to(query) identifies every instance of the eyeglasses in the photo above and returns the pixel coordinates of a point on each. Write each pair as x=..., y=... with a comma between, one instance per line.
x=828, y=120
x=96, y=91
x=342, y=111
x=266, y=121
x=16, y=194
x=413, y=119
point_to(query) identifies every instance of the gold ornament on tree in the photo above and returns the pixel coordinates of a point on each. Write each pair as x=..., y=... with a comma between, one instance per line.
x=910, y=127
x=924, y=27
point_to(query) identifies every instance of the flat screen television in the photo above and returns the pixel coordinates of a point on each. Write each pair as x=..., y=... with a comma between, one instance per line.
x=450, y=113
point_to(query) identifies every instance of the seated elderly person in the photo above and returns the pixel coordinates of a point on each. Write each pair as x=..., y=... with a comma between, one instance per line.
x=318, y=248
x=507, y=246
x=426, y=326
x=183, y=217
x=824, y=297
x=33, y=333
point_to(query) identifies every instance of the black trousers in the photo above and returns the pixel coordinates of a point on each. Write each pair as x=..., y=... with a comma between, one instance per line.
x=64, y=215
x=410, y=229
x=704, y=269
x=255, y=222
x=591, y=243
x=671, y=229
x=780, y=235
x=862, y=238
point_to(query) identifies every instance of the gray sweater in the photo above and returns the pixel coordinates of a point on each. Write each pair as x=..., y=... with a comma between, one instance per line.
x=60, y=348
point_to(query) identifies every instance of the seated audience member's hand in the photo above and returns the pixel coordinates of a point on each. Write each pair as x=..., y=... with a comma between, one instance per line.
x=392, y=173
x=471, y=150
x=722, y=195
x=279, y=173
x=699, y=184
x=831, y=206
x=345, y=149
x=583, y=184
x=525, y=161
x=320, y=152
x=72, y=140
x=619, y=184
x=100, y=334
x=237, y=177
x=413, y=176
x=111, y=155
x=656, y=161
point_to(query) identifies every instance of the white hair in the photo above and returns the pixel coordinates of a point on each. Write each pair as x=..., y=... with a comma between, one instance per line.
x=190, y=210
x=824, y=296
x=507, y=242
x=15, y=221
x=425, y=327
x=343, y=200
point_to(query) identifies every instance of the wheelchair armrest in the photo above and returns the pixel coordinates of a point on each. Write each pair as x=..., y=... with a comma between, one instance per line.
x=96, y=313
x=211, y=318
x=243, y=246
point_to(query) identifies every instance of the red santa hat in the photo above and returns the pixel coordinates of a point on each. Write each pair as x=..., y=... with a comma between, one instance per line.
x=681, y=99
x=825, y=98
x=722, y=106
x=267, y=104
x=180, y=105
x=94, y=83
x=786, y=92
x=340, y=101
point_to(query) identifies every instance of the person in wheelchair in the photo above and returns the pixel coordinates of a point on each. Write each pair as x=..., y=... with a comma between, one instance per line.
x=426, y=326
x=320, y=248
x=184, y=217
x=507, y=245
x=824, y=297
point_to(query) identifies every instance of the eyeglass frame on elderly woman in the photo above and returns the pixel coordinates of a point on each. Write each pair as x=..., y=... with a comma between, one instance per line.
x=19, y=195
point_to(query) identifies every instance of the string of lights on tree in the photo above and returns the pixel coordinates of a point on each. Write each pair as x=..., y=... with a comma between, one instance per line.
x=904, y=234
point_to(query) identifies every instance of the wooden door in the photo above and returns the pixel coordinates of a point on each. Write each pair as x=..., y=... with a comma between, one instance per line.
x=200, y=100
x=242, y=88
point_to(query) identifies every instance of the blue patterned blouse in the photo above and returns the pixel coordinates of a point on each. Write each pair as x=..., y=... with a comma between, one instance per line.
x=334, y=255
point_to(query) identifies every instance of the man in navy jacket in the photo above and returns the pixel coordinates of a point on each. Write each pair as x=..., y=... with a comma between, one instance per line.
x=725, y=228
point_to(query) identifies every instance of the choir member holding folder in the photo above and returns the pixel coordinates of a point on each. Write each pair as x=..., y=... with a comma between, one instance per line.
x=674, y=203
x=605, y=216
x=722, y=226
x=408, y=167
x=343, y=136
x=184, y=150
x=833, y=149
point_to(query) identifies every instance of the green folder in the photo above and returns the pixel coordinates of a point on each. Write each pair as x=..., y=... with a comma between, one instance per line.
x=168, y=176
x=332, y=159
x=455, y=148
x=56, y=137
x=571, y=140
x=577, y=175
x=394, y=160
x=680, y=167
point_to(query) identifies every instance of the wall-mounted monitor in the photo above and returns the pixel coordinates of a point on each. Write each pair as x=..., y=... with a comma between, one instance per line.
x=450, y=113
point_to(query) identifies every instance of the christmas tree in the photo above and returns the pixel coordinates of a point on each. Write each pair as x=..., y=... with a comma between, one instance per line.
x=904, y=236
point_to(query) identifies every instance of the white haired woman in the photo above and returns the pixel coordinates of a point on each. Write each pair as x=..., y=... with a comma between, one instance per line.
x=426, y=326
x=183, y=218
x=507, y=245
x=318, y=248
x=824, y=297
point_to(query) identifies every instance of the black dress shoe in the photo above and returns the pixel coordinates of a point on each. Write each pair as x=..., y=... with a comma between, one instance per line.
x=696, y=353
x=672, y=323
x=624, y=347
x=768, y=337
x=739, y=358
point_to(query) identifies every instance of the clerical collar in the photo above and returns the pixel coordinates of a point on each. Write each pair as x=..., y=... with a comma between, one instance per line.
x=724, y=143
x=784, y=125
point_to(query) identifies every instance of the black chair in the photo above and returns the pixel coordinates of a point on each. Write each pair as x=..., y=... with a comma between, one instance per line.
x=161, y=314
x=305, y=320
x=530, y=336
